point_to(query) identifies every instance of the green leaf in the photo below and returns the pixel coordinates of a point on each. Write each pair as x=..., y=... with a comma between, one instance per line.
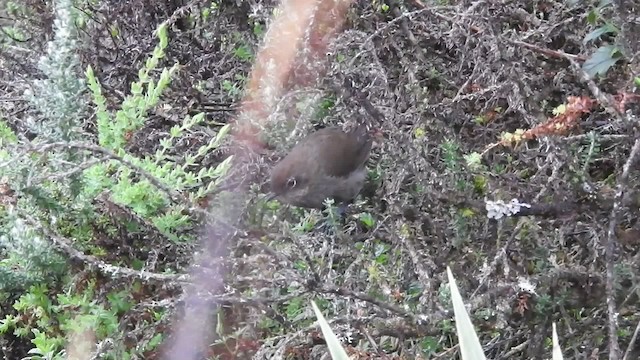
x=154, y=342
x=222, y=168
x=258, y=30
x=242, y=52
x=222, y=133
x=136, y=88
x=557, y=351
x=601, y=60
x=189, y=160
x=174, y=132
x=606, y=29
x=335, y=348
x=367, y=220
x=559, y=110
x=162, y=35
x=151, y=88
x=592, y=17
x=6, y=133
x=198, y=118
x=470, y=347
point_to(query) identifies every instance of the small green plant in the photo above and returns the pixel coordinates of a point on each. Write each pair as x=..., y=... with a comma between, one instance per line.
x=380, y=6
x=233, y=88
x=419, y=133
x=474, y=161
x=606, y=55
x=258, y=30
x=480, y=184
x=604, y=26
x=60, y=188
x=294, y=308
x=451, y=155
x=306, y=224
x=381, y=252
x=46, y=348
x=430, y=346
x=480, y=119
x=331, y=215
x=28, y=258
x=115, y=131
x=589, y=153
x=367, y=220
x=45, y=319
x=324, y=108
x=141, y=194
x=242, y=50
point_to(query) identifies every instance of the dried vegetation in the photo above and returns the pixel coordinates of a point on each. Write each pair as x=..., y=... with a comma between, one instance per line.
x=475, y=100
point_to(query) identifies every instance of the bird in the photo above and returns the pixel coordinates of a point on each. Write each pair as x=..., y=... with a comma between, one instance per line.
x=327, y=164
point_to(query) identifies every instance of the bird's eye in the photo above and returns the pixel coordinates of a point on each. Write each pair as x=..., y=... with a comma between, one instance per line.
x=291, y=183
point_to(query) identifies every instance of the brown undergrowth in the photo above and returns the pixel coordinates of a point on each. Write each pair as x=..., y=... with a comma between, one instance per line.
x=475, y=101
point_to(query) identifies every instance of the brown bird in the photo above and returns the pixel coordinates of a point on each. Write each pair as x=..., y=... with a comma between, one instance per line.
x=328, y=163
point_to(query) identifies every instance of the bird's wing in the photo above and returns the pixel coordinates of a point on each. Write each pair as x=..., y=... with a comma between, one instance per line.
x=344, y=156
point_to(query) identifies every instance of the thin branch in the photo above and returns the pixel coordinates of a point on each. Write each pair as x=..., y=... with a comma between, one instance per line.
x=632, y=343
x=366, y=298
x=548, y=52
x=64, y=245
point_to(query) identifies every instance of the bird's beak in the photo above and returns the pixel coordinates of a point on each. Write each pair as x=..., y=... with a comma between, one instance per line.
x=270, y=196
